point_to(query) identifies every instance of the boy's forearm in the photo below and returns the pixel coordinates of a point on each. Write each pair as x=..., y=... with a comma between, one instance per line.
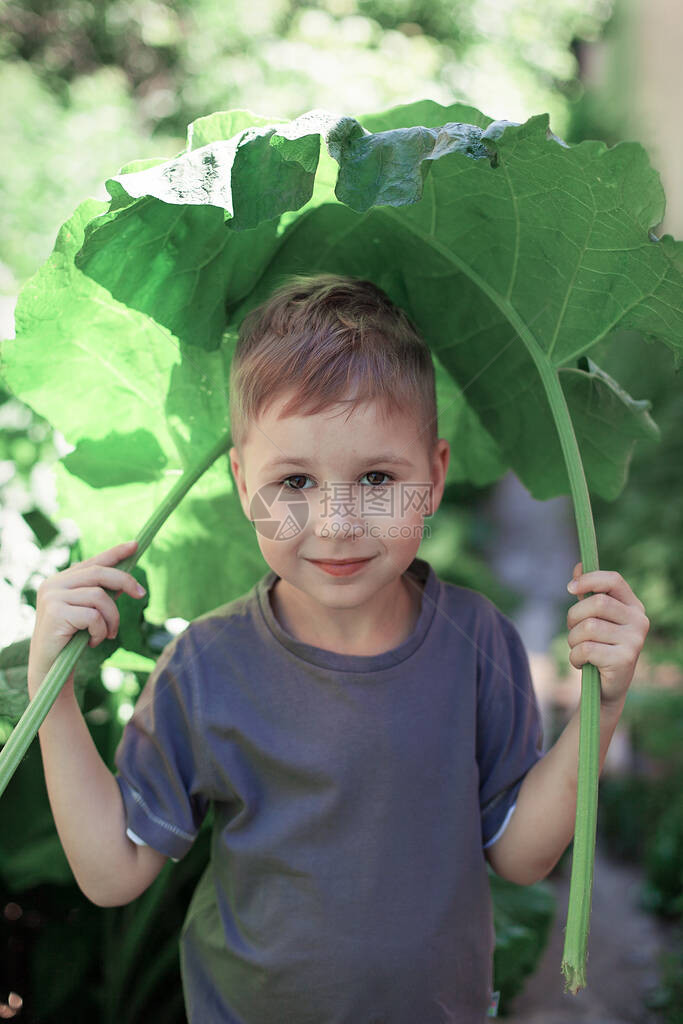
x=87, y=806
x=542, y=824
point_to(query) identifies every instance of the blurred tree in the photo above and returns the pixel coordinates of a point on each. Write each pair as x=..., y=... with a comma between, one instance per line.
x=57, y=148
x=184, y=59
x=121, y=79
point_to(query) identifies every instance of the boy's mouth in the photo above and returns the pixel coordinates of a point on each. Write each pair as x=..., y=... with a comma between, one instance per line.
x=340, y=561
x=341, y=568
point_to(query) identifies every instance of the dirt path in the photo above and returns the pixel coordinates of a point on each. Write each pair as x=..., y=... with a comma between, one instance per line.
x=623, y=947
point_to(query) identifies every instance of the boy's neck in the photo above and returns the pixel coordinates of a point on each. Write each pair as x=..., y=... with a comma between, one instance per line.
x=396, y=621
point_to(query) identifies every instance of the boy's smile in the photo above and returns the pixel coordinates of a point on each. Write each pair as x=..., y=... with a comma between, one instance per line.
x=368, y=484
x=345, y=567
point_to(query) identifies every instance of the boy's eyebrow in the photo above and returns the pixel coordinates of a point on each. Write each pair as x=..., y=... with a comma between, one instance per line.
x=286, y=460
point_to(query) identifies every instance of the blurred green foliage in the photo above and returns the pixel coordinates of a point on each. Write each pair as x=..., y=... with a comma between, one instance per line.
x=523, y=916
x=640, y=818
x=667, y=997
x=640, y=535
x=59, y=147
x=641, y=813
x=68, y=958
x=185, y=58
x=655, y=722
x=87, y=87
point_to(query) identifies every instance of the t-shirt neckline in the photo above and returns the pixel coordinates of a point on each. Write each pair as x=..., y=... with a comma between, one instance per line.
x=419, y=569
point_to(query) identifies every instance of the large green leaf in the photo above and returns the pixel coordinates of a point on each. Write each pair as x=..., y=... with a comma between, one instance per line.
x=507, y=247
x=115, y=383
x=13, y=681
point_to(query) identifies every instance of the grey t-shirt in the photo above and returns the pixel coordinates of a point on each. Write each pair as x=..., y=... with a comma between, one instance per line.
x=353, y=797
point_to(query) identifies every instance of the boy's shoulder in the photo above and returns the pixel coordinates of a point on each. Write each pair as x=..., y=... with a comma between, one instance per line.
x=480, y=615
x=467, y=598
x=228, y=621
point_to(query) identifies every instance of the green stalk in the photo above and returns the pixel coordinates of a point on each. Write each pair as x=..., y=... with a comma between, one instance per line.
x=581, y=883
x=31, y=720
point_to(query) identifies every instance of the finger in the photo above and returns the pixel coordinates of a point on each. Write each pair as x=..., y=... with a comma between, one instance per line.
x=95, y=597
x=600, y=606
x=104, y=576
x=79, y=617
x=601, y=581
x=576, y=573
x=112, y=556
x=598, y=654
x=595, y=631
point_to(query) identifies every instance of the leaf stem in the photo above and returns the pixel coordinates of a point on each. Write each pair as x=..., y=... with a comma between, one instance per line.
x=31, y=720
x=581, y=883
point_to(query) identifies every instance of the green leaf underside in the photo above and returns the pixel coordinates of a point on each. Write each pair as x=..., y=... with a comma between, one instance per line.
x=496, y=239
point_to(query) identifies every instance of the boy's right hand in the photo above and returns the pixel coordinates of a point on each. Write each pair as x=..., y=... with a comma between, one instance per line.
x=76, y=599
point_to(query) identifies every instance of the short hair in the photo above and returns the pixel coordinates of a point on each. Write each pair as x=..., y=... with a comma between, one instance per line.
x=319, y=336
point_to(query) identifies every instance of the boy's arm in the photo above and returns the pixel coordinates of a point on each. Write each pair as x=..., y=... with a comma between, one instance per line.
x=542, y=823
x=608, y=628
x=88, y=810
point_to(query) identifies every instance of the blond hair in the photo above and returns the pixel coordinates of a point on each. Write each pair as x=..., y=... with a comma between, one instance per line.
x=320, y=335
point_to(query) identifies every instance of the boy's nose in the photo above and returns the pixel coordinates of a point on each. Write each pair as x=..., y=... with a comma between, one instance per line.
x=343, y=512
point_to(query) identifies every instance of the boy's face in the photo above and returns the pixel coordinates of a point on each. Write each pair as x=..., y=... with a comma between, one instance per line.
x=331, y=497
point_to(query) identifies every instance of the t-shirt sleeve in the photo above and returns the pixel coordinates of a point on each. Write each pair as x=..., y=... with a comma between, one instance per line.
x=509, y=725
x=159, y=764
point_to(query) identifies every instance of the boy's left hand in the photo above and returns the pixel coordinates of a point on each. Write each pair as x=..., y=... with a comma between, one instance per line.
x=607, y=629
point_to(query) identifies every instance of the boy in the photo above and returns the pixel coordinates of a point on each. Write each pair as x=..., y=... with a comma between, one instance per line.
x=365, y=731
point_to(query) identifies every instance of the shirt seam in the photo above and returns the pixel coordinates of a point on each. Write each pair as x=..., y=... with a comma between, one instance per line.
x=502, y=828
x=350, y=671
x=206, y=771
x=139, y=799
x=139, y=841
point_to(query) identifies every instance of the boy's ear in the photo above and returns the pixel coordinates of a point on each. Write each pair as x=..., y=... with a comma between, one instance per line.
x=442, y=456
x=239, y=479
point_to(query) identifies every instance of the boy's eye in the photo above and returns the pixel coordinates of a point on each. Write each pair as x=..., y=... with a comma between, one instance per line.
x=302, y=476
x=285, y=482
x=379, y=472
